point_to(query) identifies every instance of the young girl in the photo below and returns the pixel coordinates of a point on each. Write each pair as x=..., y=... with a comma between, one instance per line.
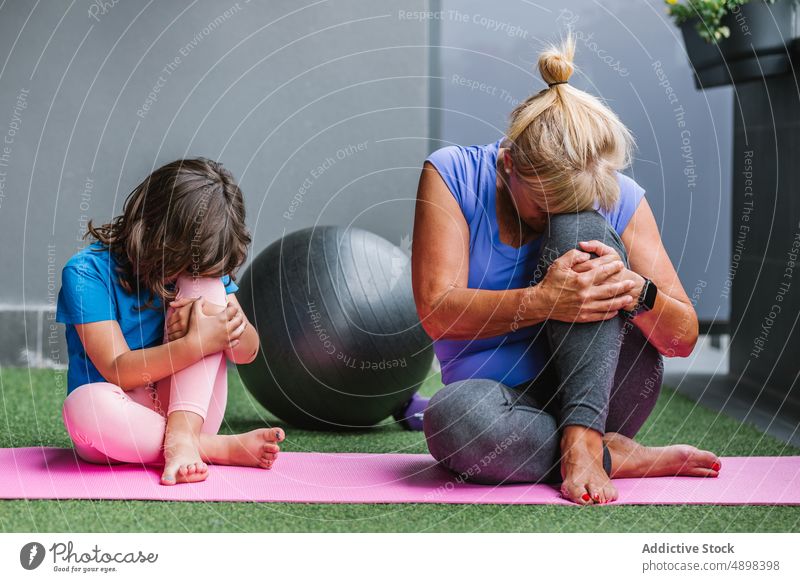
x=145, y=387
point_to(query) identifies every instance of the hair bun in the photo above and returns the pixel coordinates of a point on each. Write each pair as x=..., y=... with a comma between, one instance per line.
x=556, y=63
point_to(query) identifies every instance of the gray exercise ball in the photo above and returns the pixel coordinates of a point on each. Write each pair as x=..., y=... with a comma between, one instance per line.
x=341, y=342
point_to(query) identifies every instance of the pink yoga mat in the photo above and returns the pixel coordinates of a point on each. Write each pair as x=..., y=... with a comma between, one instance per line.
x=46, y=473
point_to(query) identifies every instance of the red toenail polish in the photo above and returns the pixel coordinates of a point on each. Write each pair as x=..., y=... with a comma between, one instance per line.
x=715, y=466
x=585, y=497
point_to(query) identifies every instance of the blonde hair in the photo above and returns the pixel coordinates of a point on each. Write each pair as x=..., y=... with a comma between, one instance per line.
x=568, y=141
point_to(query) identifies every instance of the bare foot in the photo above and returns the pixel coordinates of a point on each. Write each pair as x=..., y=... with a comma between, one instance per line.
x=257, y=448
x=182, y=461
x=630, y=459
x=584, y=479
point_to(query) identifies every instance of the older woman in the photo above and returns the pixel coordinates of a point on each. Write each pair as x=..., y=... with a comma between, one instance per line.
x=540, y=274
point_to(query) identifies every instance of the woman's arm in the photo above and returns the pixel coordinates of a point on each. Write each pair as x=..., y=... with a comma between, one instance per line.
x=671, y=326
x=109, y=352
x=449, y=309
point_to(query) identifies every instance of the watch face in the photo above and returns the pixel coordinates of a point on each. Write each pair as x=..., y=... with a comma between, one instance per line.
x=649, y=296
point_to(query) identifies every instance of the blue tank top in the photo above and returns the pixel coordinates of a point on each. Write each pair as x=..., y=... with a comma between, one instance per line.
x=471, y=173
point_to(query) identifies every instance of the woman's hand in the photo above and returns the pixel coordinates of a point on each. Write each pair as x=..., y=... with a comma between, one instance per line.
x=608, y=255
x=217, y=331
x=581, y=292
x=178, y=321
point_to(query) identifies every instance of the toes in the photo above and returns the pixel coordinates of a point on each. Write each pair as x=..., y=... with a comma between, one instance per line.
x=705, y=458
x=267, y=460
x=703, y=472
x=271, y=448
x=596, y=493
x=576, y=494
x=168, y=476
x=702, y=462
x=177, y=473
x=276, y=434
x=197, y=468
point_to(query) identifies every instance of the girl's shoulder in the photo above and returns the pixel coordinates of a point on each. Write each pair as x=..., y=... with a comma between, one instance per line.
x=86, y=293
x=91, y=257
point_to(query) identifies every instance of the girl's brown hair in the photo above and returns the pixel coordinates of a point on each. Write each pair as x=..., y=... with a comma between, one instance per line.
x=187, y=216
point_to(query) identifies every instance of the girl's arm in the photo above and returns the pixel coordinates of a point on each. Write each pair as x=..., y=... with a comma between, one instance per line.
x=243, y=351
x=449, y=309
x=109, y=352
x=671, y=326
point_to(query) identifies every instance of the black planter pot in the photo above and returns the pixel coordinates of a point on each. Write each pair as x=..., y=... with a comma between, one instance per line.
x=763, y=43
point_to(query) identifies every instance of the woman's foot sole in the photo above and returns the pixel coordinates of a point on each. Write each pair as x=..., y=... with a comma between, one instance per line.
x=630, y=459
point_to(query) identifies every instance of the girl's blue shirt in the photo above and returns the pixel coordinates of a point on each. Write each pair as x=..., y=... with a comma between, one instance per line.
x=470, y=172
x=90, y=291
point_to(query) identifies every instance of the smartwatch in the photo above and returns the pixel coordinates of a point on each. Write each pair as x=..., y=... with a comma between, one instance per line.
x=646, y=300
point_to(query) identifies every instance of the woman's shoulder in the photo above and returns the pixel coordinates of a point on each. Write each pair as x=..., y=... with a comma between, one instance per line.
x=628, y=185
x=468, y=172
x=462, y=156
x=630, y=195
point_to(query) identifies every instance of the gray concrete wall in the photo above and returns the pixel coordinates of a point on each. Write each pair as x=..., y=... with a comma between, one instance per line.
x=632, y=56
x=319, y=109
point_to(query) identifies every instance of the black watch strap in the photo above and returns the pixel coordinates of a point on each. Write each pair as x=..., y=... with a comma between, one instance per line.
x=646, y=300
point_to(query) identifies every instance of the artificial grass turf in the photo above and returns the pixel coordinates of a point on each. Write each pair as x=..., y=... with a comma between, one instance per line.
x=30, y=415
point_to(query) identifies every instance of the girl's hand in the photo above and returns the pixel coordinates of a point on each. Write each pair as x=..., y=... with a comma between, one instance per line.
x=216, y=331
x=178, y=321
x=235, y=312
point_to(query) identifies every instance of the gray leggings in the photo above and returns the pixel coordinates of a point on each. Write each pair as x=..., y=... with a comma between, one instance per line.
x=603, y=375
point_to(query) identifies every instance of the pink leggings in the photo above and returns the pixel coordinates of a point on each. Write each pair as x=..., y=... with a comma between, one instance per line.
x=110, y=425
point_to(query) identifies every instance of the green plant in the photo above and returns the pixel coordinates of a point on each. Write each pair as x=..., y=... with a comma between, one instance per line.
x=709, y=14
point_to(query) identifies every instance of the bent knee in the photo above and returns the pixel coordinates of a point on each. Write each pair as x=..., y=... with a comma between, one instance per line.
x=210, y=288
x=575, y=222
x=89, y=403
x=459, y=405
x=452, y=417
x=471, y=429
x=498, y=454
x=566, y=230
